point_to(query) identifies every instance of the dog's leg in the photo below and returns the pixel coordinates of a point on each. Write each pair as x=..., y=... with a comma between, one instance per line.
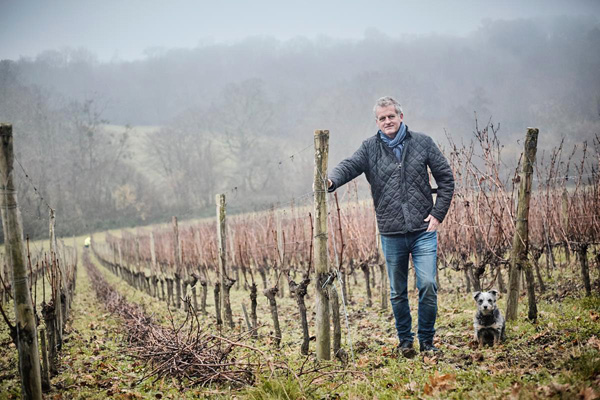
x=496, y=337
x=479, y=336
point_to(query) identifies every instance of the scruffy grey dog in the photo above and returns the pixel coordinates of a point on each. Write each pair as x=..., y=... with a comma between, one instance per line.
x=488, y=322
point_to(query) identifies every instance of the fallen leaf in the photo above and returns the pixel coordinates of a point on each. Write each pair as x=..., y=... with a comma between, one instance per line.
x=514, y=391
x=411, y=386
x=588, y=394
x=539, y=335
x=554, y=389
x=428, y=389
x=363, y=361
x=430, y=360
x=594, y=342
x=439, y=383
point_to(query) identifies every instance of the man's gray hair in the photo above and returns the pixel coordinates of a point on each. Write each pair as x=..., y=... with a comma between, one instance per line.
x=385, y=102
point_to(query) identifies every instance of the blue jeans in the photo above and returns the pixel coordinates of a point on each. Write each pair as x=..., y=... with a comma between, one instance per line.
x=423, y=247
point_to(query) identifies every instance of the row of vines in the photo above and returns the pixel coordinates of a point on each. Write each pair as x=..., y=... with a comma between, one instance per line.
x=271, y=252
x=270, y=255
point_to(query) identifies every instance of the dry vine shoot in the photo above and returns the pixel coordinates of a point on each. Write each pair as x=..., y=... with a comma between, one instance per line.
x=183, y=351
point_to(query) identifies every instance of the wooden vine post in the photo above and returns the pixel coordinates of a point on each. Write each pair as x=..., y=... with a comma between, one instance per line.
x=57, y=288
x=271, y=292
x=518, y=257
x=153, y=269
x=177, y=260
x=203, y=280
x=279, y=215
x=45, y=371
x=382, y=269
x=224, y=280
x=322, y=272
x=564, y=221
x=120, y=269
x=27, y=341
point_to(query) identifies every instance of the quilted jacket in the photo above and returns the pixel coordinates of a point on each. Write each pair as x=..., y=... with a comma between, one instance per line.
x=401, y=191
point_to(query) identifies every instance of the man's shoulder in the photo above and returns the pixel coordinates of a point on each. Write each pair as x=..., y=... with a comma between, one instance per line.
x=370, y=142
x=371, y=139
x=420, y=136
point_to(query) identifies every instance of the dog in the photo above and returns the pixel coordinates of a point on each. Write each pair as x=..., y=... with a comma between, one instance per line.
x=489, y=324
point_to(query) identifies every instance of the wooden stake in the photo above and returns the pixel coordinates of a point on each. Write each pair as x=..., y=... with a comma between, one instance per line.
x=518, y=259
x=45, y=363
x=564, y=221
x=120, y=259
x=279, y=215
x=248, y=325
x=225, y=281
x=176, y=258
x=217, y=292
x=322, y=278
x=153, y=269
x=29, y=360
x=57, y=288
x=383, y=270
x=336, y=319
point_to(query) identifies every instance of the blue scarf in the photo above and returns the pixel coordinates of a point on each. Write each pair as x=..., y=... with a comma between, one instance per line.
x=397, y=143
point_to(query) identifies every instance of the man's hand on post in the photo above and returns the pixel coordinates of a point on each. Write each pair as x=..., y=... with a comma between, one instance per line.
x=433, y=223
x=329, y=183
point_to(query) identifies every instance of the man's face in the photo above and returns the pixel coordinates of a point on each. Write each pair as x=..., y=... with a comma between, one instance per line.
x=388, y=121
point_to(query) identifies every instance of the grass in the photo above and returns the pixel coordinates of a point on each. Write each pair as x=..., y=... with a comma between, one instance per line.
x=556, y=357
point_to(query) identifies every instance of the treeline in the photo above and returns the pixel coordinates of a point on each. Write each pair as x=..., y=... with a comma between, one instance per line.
x=99, y=176
x=520, y=72
x=66, y=158
x=227, y=115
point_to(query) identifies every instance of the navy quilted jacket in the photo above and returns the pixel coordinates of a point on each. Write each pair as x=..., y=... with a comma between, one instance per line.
x=401, y=191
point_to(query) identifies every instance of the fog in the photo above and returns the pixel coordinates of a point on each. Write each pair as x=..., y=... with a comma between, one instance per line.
x=118, y=123
x=128, y=30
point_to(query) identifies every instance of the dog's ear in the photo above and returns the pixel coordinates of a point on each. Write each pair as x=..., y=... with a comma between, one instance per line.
x=494, y=292
x=476, y=295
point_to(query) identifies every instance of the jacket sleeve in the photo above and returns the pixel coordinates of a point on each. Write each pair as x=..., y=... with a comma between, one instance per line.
x=445, y=181
x=349, y=168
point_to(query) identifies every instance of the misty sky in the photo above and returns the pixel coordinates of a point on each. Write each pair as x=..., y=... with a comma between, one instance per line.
x=125, y=29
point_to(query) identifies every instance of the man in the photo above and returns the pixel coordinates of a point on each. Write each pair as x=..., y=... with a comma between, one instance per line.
x=395, y=163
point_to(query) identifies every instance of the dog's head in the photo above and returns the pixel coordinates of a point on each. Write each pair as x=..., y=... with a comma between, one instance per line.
x=486, y=301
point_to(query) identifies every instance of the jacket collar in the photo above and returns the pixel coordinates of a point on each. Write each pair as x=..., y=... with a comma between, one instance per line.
x=408, y=135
